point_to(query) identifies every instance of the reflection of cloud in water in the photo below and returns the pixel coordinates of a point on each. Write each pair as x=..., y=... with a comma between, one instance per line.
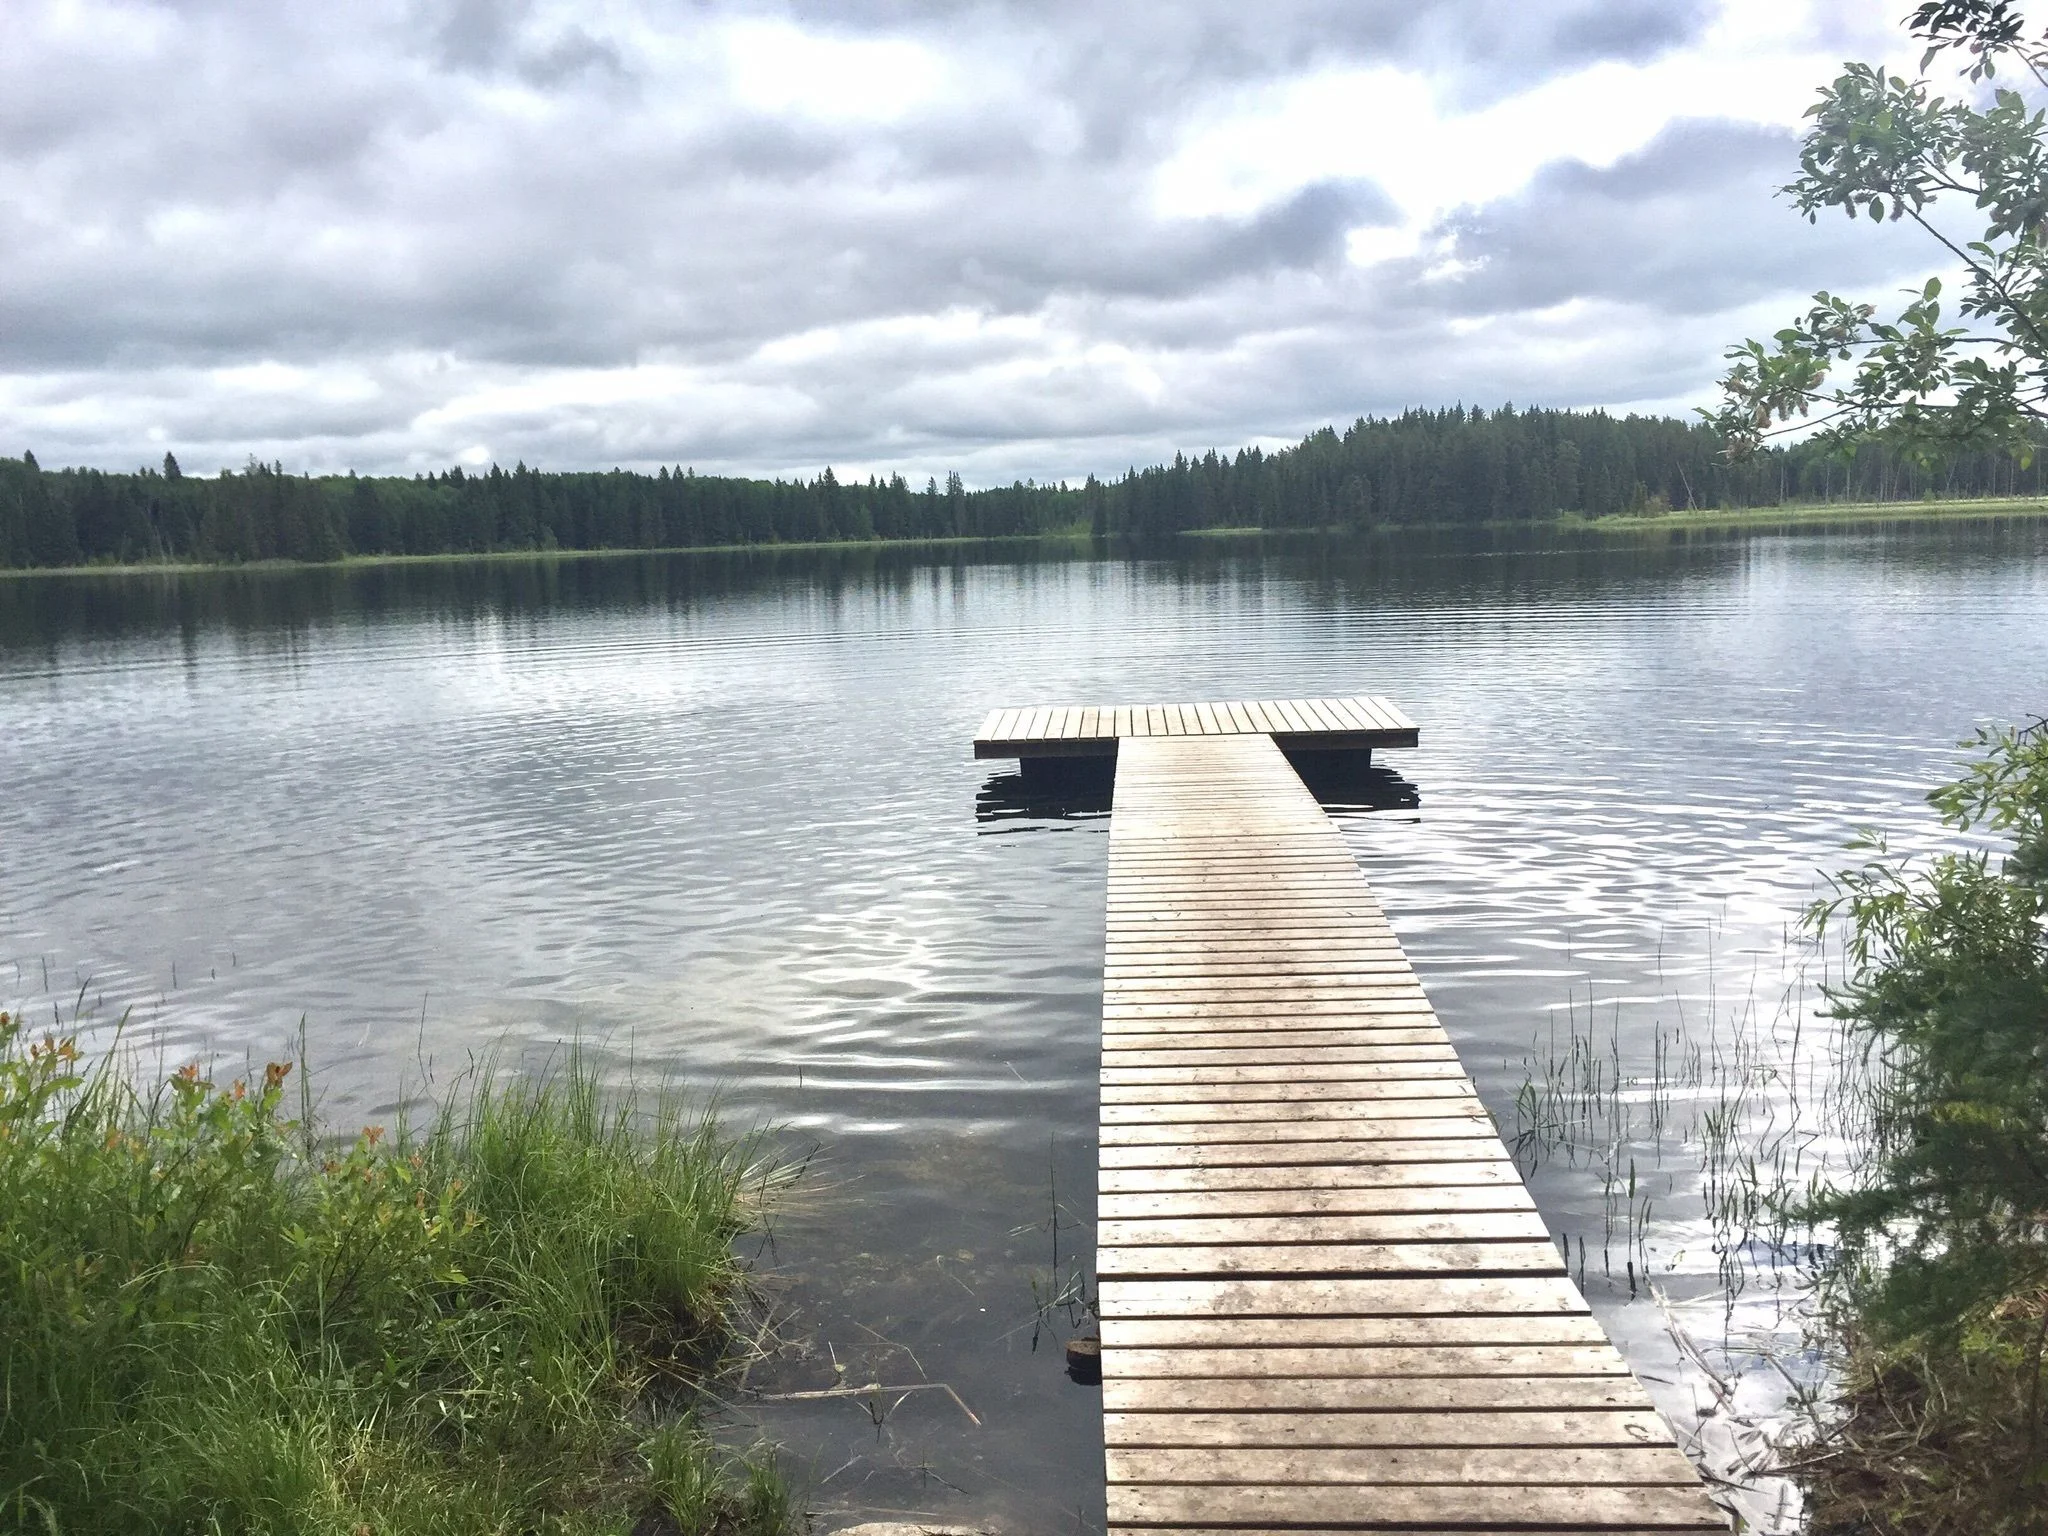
x=721, y=816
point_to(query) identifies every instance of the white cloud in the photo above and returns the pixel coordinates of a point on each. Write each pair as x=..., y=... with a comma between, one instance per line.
x=1018, y=239
x=777, y=68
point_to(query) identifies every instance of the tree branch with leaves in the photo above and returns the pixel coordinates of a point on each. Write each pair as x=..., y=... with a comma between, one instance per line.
x=1882, y=147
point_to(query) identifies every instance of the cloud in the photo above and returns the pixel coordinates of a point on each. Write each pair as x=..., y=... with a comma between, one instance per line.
x=1018, y=239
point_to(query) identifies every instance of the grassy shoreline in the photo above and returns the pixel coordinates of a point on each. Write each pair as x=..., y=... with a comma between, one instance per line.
x=211, y=1318
x=458, y=557
x=1788, y=515
x=1814, y=514
x=1791, y=515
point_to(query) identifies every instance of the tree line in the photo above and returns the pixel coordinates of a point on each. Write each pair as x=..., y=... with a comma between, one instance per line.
x=1444, y=467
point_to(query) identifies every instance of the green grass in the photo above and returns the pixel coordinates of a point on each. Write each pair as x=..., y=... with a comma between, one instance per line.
x=499, y=1323
x=1803, y=514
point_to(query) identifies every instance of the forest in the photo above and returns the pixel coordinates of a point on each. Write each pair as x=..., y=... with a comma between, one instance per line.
x=1442, y=467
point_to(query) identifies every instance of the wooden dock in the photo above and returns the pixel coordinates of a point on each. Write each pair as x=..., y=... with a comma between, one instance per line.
x=1354, y=724
x=1327, y=1300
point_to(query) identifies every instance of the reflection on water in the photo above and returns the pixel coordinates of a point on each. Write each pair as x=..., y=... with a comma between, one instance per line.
x=721, y=815
x=1051, y=790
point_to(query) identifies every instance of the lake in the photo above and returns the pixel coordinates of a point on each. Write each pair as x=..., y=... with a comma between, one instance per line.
x=717, y=817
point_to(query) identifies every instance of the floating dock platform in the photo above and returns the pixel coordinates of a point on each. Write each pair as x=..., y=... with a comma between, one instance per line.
x=1356, y=724
x=1327, y=1300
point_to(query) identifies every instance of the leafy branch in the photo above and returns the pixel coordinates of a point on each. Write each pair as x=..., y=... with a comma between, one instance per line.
x=1881, y=147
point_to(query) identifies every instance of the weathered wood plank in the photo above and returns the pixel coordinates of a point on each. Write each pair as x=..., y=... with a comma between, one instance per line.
x=1363, y=1394
x=1444, y=1126
x=1332, y=1259
x=1606, y=1466
x=1392, y=1148
x=1361, y=1101
x=1555, y=1427
x=1521, y=1361
x=1282, y=1180
x=1337, y=1042
x=1389, y=1080
x=1378, y=1296
x=1118, y=1082
x=1380, y=1038
x=1455, y=1226
x=1418, y=1196
x=1322, y=1332
x=1574, y=1508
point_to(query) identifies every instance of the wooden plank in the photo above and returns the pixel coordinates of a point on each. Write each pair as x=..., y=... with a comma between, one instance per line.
x=1376, y=1529
x=1382, y=1042
x=1384, y=1227
x=1416, y=1196
x=1135, y=1100
x=1349, y=715
x=1364, y=944
x=1138, y=1058
x=1404, y=1120
x=1526, y=1506
x=1390, y=713
x=1348, y=1332
x=1422, y=1061
x=1372, y=1102
x=1294, y=723
x=1390, y=1149
x=1321, y=1332
x=1321, y=716
x=1606, y=1466
x=1137, y=980
x=1377, y=1297
x=1555, y=1427
x=1368, y=1394
x=1333, y=1259
x=1520, y=1361
x=1244, y=1013
x=1273, y=1180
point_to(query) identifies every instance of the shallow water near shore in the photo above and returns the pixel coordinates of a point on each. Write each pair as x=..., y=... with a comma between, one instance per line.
x=718, y=817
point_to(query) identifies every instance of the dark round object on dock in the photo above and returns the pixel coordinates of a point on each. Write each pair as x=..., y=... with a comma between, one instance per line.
x=1084, y=1361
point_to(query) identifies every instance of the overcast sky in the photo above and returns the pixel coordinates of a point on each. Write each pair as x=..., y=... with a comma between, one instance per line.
x=1028, y=239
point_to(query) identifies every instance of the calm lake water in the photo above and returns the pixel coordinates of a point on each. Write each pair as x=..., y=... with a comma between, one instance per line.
x=719, y=815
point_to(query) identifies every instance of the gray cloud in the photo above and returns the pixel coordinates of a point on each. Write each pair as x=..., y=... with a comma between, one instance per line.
x=1691, y=224
x=382, y=236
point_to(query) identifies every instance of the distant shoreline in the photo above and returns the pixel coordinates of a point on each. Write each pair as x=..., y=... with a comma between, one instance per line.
x=459, y=556
x=1786, y=515
x=1809, y=514
x=1800, y=515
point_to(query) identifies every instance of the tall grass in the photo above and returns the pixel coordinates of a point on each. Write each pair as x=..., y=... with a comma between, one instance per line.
x=1720, y=1114
x=499, y=1322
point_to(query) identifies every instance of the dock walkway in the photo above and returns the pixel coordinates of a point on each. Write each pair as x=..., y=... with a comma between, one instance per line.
x=1327, y=1300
